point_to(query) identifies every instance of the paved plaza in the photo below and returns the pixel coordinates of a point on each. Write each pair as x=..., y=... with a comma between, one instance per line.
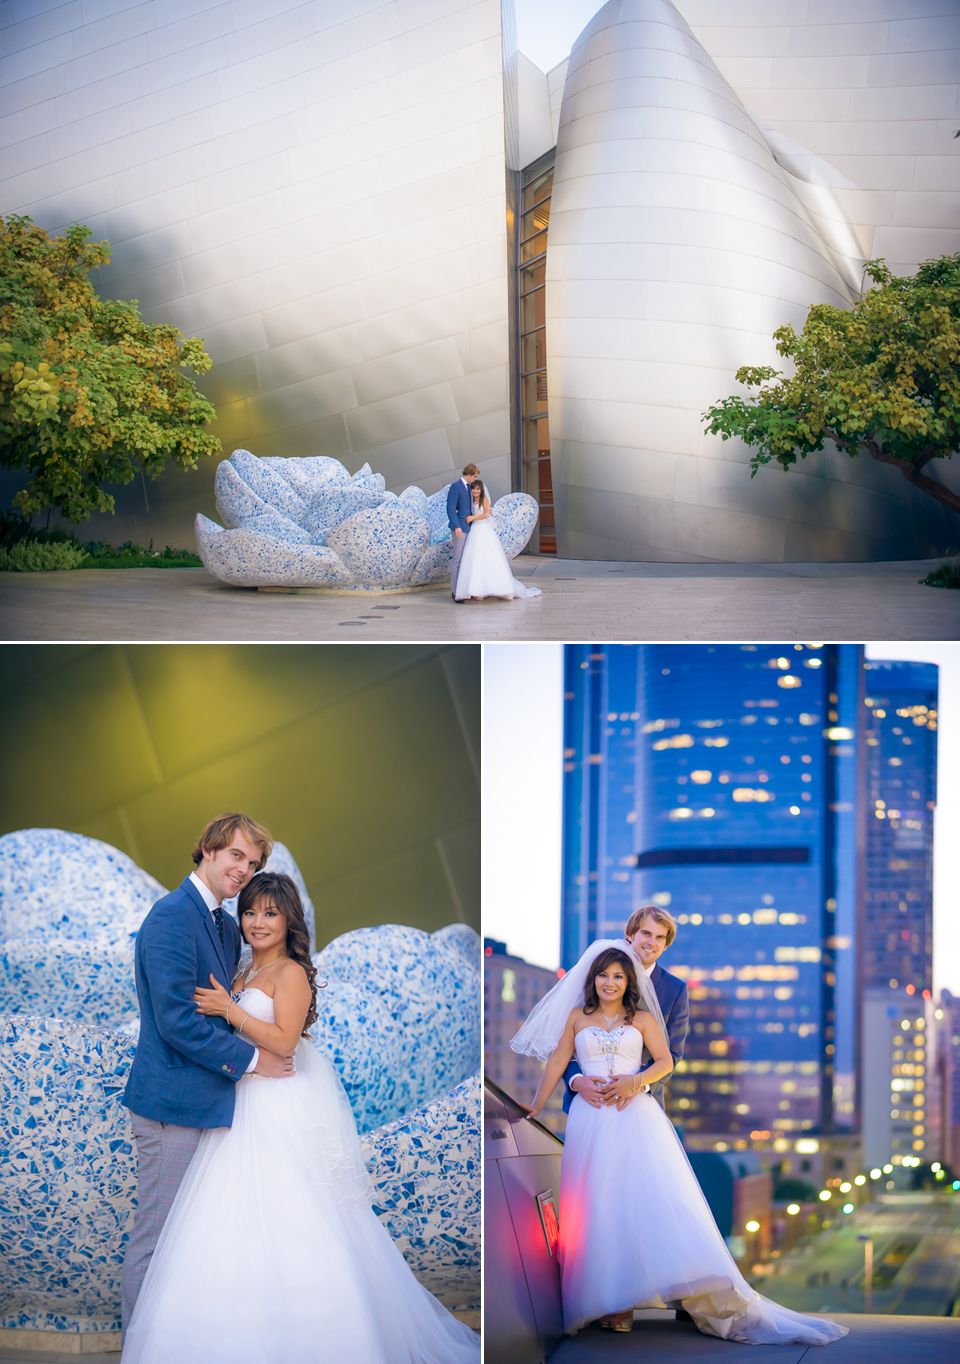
x=872, y=1340
x=581, y=601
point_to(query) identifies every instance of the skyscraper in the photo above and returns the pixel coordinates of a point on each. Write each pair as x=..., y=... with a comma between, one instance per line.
x=722, y=781
x=899, y=1047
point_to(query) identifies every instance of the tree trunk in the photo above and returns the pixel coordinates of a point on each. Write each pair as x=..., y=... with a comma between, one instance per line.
x=910, y=472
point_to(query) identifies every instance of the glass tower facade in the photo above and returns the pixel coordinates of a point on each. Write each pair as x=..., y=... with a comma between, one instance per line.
x=901, y=742
x=536, y=478
x=725, y=782
x=899, y=1051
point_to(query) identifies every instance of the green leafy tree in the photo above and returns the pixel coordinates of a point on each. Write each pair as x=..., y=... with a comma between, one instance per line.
x=881, y=377
x=90, y=393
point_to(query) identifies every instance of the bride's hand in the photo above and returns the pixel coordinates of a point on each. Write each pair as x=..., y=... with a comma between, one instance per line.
x=621, y=1089
x=212, y=1002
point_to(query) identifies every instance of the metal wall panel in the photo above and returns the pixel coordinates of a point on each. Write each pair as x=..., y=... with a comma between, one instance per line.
x=682, y=234
x=316, y=189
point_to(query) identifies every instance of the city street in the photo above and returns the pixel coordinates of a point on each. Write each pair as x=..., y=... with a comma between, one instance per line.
x=916, y=1260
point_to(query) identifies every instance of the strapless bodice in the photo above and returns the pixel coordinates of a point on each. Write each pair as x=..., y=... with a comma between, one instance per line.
x=256, y=1003
x=617, y=1052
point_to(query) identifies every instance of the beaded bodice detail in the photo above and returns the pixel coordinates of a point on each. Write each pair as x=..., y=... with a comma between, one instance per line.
x=256, y=1003
x=617, y=1052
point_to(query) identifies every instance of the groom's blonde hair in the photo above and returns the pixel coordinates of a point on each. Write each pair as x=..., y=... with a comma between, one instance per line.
x=219, y=833
x=662, y=916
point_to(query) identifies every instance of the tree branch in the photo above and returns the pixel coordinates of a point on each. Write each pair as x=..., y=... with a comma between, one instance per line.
x=913, y=475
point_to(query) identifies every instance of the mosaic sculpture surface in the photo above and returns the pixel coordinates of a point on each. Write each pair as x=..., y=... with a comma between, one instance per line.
x=67, y=1163
x=70, y=907
x=426, y=1173
x=308, y=523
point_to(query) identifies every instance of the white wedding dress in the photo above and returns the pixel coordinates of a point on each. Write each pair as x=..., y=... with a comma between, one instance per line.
x=635, y=1228
x=485, y=569
x=271, y=1253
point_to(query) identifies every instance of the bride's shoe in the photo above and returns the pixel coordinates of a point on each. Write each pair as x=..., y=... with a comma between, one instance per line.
x=622, y=1321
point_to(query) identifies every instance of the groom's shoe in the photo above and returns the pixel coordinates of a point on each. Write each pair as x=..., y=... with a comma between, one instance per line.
x=682, y=1315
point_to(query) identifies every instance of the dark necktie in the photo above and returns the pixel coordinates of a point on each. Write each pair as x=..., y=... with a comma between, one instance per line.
x=218, y=920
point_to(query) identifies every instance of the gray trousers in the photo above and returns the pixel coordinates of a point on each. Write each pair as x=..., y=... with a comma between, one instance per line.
x=163, y=1153
x=457, y=542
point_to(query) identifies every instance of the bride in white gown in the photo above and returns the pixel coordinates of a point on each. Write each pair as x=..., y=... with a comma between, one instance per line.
x=271, y=1253
x=635, y=1228
x=484, y=568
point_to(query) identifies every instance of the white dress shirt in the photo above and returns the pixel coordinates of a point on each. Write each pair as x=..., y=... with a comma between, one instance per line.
x=212, y=903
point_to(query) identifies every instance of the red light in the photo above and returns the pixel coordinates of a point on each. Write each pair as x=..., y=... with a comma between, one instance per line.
x=488, y=951
x=561, y=973
x=926, y=994
x=910, y=990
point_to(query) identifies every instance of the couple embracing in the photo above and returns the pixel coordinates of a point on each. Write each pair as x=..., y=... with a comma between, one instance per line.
x=254, y=1240
x=635, y=1228
x=478, y=565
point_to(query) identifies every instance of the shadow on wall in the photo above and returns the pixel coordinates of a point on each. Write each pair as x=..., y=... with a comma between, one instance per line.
x=363, y=760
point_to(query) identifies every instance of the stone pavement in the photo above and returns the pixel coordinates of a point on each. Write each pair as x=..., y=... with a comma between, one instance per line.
x=581, y=601
x=657, y=1339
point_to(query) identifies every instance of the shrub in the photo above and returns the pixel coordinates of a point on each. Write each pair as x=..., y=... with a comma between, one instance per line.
x=794, y=1191
x=947, y=575
x=28, y=557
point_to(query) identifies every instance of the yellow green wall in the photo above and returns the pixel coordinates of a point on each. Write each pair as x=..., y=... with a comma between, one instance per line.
x=362, y=759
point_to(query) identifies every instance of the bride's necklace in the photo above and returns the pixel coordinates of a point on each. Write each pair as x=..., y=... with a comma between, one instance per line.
x=608, y=1026
x=250, y=974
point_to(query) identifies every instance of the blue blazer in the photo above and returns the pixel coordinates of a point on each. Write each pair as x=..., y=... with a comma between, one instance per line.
x=186, y=1065
x=458, y=506
x=671, y=991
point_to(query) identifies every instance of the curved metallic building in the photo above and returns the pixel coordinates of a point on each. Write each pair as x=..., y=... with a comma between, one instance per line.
x=682, y=233
x=327, y=193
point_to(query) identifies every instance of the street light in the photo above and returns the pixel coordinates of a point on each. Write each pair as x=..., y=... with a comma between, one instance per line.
x=825, y=1195
x=794, y=1208
x=847, y=1207
x=875, y=1174
x=867, y=1273
x=753, y=1226
x=862, y=1179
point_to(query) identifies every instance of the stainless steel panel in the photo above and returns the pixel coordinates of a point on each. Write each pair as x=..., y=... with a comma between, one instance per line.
x=510, y=1328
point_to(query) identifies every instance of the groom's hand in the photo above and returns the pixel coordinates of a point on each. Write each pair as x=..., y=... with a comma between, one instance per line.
x=272, y=1066
x=458, y=533
x=589, y=1087
x=620, y=1089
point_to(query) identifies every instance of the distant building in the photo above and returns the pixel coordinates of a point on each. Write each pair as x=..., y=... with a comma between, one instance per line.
x=901, y=757
x=947, y=1030
x=899, y=1053
x=722, y=781
x=511, y=987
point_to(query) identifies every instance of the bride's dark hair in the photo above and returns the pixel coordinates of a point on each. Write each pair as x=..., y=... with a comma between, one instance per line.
x=474, y=486
x=286, y=897
x=631, y=995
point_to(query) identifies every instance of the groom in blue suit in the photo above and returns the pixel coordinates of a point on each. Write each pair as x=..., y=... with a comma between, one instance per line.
x=459, y=507
x=650, y=930
x=184, y=1074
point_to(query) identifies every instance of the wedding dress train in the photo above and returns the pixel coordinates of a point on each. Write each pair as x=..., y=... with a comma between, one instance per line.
x=485, y=569
x=271, y=1253
x=635, y=1228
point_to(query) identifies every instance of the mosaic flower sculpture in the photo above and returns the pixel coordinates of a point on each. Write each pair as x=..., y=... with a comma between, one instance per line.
x=422, y=1013
x=68, y=1180
x=70, y=908
x=308, y=523
x=67, y=1163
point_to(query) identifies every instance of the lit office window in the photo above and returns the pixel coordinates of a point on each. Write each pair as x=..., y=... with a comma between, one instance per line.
x=537, y=479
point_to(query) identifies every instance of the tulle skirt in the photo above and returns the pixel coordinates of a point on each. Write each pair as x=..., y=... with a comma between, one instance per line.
x=271, y=1253
x=636, y=1231
x=485, y=569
